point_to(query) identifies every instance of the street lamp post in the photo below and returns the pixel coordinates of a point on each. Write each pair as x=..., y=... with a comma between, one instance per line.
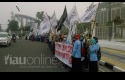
x=110, y=28
x=0, y=27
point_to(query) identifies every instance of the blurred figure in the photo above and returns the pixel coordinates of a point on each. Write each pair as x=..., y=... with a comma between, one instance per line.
x=65, y=40
x=93, y=60
x=14, y=37
x=86, y=46
x=82, y=46
x=50, y=40
x=99, y=49
x=82, y=51
x=76, y=55
x=26, y=37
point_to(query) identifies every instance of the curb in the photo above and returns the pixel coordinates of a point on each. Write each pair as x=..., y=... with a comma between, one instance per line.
x=111, y=66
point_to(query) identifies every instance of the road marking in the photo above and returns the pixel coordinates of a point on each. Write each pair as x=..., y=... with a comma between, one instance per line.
x=114, y=62
x=113, y=51
x=101, y=70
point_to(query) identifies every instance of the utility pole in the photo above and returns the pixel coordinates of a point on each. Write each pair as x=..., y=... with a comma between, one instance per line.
x=0, y=27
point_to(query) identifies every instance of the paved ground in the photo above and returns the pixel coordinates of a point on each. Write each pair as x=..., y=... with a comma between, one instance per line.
x=112, y=45
x=28, y=56
x=114, y=57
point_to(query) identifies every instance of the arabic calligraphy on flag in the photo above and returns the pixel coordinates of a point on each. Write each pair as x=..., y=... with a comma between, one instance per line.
x=90, y=14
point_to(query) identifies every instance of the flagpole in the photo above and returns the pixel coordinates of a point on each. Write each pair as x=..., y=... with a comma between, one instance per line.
x=94, y=23
x=77, y=22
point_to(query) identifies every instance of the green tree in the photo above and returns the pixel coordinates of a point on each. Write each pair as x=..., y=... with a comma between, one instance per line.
x=118, y=21
x=13, y=25
x=25, y=28
x=81, y=27
x=39, y=17
x=64, y=30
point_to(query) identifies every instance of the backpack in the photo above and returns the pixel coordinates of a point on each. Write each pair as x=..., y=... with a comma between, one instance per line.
x=99, y=54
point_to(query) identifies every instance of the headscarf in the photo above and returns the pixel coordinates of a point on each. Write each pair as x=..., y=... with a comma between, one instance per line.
x=92, y=41
x=81, y=38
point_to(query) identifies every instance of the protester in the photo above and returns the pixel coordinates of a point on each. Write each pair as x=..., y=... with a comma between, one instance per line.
x=86, y=60
x=61, y=37
x=76, y=55
x=93, y=61
x=50, y=40
x=82, y=46
x=99, y=49
x=82, y=51
x=53, y=44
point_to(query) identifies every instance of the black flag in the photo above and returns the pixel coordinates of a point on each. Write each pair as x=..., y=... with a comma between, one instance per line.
x=62, y=19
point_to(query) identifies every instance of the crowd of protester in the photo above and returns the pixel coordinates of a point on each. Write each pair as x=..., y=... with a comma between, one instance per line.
x=85, y=53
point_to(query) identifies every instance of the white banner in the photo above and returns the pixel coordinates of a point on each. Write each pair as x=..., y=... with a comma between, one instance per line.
x=90, y=13
x=63, y=53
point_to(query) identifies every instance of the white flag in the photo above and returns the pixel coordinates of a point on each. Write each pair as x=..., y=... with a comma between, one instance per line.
x=70, y=23
x=34, y=29
x=72, y=17
x=90, y=13
x=53, y=22
x=44, y=25
x=73, y=30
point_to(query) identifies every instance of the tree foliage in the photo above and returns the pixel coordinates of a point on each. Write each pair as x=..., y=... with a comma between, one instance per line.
x=39, y=17
x=118, y=20
x=13, y=25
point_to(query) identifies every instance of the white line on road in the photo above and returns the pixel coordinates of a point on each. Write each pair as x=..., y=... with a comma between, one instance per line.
x=101, y=70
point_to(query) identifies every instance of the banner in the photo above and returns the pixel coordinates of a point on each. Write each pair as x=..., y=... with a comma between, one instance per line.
x=63, y=52
x=90, y=13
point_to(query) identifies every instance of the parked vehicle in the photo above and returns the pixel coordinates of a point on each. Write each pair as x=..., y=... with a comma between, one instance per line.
x=5, y=39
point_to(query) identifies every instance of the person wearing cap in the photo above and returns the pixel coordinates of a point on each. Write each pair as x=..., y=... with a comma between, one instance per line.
x=76, y=55
x=93, y=60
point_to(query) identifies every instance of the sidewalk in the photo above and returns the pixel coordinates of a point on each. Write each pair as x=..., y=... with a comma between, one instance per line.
x=112, y=63
x=113, y=51
x=113, y=44
x=119, y=40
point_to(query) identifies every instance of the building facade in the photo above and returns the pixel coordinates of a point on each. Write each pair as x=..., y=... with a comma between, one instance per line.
x=108, y=11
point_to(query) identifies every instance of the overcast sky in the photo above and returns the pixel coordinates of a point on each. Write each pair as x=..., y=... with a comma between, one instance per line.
x=31, y=8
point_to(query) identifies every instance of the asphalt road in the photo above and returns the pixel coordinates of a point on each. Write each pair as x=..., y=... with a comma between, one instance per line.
x=115, y=56
x=28, y=56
